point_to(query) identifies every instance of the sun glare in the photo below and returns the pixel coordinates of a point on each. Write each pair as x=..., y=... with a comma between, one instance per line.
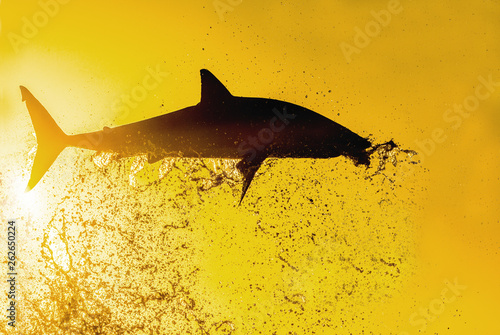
x=25, y=201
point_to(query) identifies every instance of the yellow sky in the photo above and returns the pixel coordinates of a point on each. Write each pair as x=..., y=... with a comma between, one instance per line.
x=404, y=82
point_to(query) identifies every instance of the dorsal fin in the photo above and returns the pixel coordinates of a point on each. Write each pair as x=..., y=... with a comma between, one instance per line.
x=212, y=90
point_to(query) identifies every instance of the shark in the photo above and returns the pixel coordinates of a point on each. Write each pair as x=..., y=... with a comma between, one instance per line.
x=221, y=125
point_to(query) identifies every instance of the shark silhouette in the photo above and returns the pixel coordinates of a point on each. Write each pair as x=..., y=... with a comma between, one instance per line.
x=219, y=126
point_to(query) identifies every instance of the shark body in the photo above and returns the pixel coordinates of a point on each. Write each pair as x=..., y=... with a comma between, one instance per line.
x=220, y=126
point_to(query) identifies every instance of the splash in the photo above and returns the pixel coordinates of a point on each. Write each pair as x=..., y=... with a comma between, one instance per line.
x=220, y=171
x=103, y=159
x=137, y=166
x=314, y=241
x=390, y=153
x=166, y=166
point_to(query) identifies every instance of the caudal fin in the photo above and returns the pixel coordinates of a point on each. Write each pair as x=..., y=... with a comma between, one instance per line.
x=51, y=139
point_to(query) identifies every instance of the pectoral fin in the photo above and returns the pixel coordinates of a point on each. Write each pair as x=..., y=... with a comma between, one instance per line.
x=248, y=168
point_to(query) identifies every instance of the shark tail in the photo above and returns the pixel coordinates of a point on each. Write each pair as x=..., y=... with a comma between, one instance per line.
x=50, y=138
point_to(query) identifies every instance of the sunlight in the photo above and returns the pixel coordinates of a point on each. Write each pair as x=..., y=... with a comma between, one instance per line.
x=25, y=201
